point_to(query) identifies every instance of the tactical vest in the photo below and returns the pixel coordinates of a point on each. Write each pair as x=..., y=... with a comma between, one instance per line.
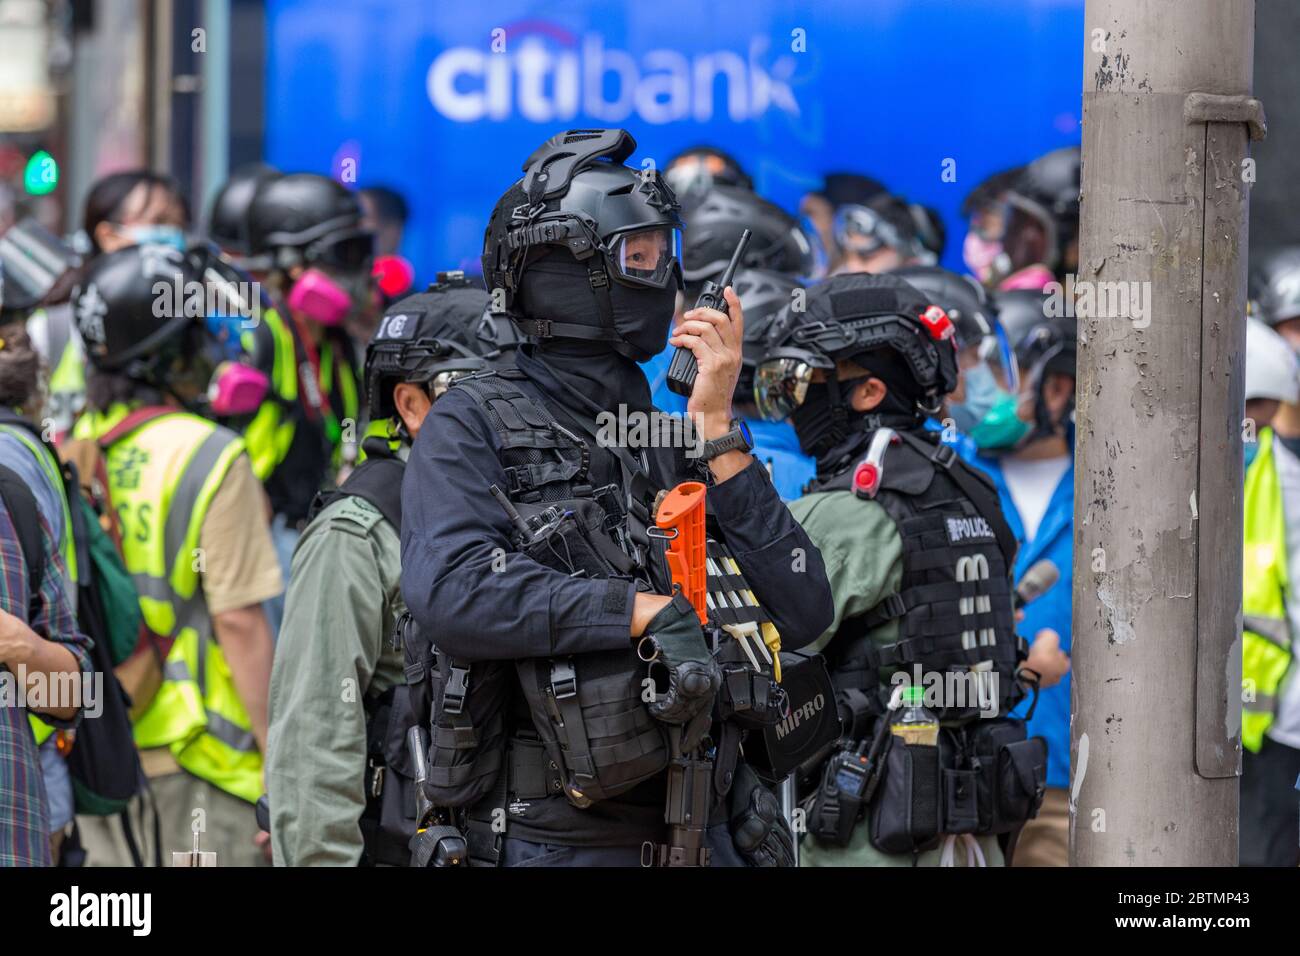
x=1266, y=632
x=162, y=479
x=954, y=607
x=581, y=726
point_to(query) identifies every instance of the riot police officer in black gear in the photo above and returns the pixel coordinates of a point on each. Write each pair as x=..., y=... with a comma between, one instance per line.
x=529, y=554
x=921, y=580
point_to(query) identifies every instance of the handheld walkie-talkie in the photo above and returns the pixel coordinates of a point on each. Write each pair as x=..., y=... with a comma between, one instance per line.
x=683, y=368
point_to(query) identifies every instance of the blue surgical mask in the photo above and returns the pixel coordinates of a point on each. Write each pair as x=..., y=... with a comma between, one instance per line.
x=982, y=393
x=1252, y=451
x=155, y=235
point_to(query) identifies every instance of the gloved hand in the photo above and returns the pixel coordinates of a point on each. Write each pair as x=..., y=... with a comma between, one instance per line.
x=439, y=846
x=758, y=828
x=674, y=642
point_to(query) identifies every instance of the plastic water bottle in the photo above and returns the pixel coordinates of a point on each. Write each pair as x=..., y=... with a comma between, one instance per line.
x=916, y=725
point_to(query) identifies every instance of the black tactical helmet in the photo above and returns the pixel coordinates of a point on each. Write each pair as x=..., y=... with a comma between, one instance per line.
x=1275, y=284
x=425, y=339
x=763, y=294
x=303, y=218
x=1043, y=344
x=621, y=225
x=1048, y=190
x=714, y=226
x=847, y=317
x=131, y=309
x=228, y=215
x=36, y=267
x=887, y=222
x=960, y=296
x=1032, y=332
x=694, y=171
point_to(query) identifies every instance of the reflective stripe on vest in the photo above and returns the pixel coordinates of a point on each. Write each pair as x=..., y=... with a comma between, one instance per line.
x=269, y=435
x=1266, y=634
x=162, y=478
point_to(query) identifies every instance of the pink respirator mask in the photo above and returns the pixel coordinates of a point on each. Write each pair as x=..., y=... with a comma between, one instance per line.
x=237, y=389
x=319, y=298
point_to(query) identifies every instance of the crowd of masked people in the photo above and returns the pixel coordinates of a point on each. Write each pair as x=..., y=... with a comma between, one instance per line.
x=358, y=579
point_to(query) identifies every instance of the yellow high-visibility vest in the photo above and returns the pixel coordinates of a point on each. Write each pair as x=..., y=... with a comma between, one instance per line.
x=1266, y=638
x=162, y=477
x=269, y=434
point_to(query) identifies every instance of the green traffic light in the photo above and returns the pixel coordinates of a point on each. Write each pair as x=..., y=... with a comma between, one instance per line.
x=41, y=176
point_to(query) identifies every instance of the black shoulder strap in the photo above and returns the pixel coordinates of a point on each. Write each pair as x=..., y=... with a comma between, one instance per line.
x=976, y=487
x=21, y=505
x=378, y=480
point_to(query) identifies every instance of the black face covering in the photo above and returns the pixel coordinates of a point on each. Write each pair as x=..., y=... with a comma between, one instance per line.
x=833, y=437
x=557, y=287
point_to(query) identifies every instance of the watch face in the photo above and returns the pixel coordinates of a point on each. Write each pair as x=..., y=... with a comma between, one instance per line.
x=743, y=427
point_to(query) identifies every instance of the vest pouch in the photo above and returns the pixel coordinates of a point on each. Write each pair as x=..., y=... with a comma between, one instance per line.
x=749, y=698
x=388, y=822
x=960, y=800
x=1012, y=773
x=906, y=812
x=467, y=740
x=1022, y=781
x=590, y=715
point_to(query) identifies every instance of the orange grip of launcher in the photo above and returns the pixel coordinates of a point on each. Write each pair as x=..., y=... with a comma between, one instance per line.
x=681, y=516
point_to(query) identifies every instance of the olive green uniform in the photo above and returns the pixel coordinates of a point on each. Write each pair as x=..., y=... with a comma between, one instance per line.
x=863, y=552
x=335, y=648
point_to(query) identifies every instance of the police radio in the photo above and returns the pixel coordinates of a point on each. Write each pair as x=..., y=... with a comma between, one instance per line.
x=683, y=368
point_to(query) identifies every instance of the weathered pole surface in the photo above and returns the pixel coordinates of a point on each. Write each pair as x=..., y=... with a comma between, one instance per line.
x=1155, y=746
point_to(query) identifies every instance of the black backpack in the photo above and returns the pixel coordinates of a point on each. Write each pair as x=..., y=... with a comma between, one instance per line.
x=103, y=763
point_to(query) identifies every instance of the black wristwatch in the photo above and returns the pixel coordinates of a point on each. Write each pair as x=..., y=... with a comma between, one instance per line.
x=738, y=439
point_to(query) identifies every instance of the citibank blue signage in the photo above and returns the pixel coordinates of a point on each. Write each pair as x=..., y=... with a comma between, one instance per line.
x=443, y=101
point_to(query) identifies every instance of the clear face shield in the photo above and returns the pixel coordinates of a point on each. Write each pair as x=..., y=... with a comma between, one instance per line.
x=647, y=257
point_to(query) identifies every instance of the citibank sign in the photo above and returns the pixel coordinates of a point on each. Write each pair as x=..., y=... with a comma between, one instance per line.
x=545, y=82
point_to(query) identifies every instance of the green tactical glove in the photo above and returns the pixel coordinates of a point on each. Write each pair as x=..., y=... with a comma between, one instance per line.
x=686, y=676
x=758, y=828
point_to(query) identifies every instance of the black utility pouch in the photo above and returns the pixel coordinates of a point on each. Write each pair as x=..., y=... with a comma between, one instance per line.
x=467, y=739
x=1022, y=780
x=960, y=800
x=906, y=815
x=1012, y=773
x=750, y=698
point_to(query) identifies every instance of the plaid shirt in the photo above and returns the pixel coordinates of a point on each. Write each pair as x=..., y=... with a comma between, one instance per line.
x=24, y=831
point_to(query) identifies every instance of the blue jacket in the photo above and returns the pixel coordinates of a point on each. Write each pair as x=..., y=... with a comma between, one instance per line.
x=775, y=443
x=1054, y=542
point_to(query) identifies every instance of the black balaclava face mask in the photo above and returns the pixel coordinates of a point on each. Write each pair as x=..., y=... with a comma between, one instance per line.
x=830, y=435
x=557, y=287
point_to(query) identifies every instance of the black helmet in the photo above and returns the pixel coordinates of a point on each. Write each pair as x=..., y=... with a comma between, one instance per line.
x=425, y=339
x=763, y=294
x=303, y=218
x=847, y=317
x=1275, y=283
x=619, y=227
x=131, y=309
x=1043, y=343
x=228, y=214
x=1048, y=190
x=843, y=188
x=887, y=222
x=694, y=171
x=36, y=267
x=714, y=226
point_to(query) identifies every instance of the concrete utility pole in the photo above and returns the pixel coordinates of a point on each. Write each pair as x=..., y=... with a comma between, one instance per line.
x=1155, y=748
